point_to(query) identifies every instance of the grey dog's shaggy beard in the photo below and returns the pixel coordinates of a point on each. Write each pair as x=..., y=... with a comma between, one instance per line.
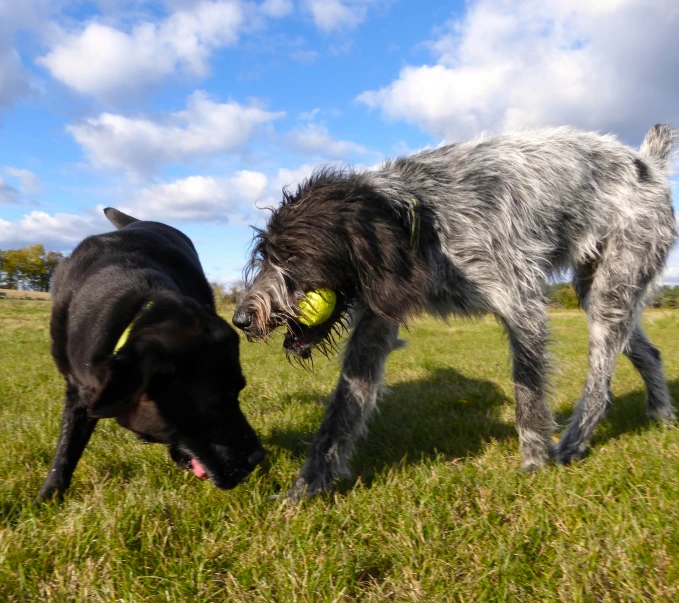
x=495, y=218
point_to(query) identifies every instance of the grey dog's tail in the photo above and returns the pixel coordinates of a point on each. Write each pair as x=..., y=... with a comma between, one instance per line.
x=658, y=144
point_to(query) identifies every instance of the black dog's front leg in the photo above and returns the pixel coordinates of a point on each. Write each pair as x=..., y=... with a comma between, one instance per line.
x=76, y=429
x=350, y=405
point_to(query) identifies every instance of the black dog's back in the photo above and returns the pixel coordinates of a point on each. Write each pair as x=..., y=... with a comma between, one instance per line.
x=132, y=263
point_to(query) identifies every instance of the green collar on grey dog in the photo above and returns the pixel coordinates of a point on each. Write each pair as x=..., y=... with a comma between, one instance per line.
x=414, y=214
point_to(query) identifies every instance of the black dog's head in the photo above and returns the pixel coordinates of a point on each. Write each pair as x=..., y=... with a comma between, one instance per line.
x=176, y=381
x=335, y=232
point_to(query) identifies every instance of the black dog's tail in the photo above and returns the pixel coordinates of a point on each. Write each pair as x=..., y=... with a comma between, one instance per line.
x=657, y=145
x=118, y=218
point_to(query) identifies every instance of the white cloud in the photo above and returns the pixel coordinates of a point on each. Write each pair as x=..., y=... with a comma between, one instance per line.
x=314, y=139
x=226, y=280
x=276, y=8
x=309, y=115
x=13, y=80
x=271, y=196
x=60, y=231
x=306, y=57
x=671, y=274
x=8, y=194
x=200, y=198
x=249, y=186
x=236, y=200
x=14, y=16
x=287, y=178
x=141, y=144
x=29, y=184
x=332, y=15
x=108, y=63
x=601, y=65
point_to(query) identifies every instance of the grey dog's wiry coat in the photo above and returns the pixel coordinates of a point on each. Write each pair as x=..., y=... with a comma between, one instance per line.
x=496, y=218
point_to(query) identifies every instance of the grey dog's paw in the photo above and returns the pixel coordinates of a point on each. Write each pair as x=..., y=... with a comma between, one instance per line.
x=570, y=449
x=296, y=494
x=300, y=490
x=664, y=415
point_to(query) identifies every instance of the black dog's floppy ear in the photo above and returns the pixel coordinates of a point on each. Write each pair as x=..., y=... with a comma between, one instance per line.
x=118, y=218
x=127, y=378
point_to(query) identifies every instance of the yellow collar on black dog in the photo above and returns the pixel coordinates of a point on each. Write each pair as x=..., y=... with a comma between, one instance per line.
x=126, y=333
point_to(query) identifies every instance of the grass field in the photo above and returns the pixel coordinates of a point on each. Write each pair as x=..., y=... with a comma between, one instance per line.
x=439, y=510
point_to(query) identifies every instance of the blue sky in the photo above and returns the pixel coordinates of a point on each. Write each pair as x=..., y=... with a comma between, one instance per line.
x=196, y=113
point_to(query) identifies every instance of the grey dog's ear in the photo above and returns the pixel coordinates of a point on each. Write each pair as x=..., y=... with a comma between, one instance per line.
x=118, y=218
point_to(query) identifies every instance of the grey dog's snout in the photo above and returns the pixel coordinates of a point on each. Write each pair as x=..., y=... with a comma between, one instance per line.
x=242, y=319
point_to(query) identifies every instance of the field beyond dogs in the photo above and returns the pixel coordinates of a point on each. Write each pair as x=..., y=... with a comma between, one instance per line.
x=438, y=511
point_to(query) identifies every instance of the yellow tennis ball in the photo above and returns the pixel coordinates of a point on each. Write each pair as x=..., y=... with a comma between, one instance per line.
x=317, y=307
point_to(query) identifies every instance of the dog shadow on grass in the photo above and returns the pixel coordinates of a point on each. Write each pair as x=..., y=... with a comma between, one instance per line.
x=450, y=415
x=445, y=414
x=627, y=414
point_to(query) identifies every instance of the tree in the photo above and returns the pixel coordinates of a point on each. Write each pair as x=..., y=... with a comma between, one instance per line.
x=29, y=268
x=11, y=269
x=666, y=297
x=562, y=295
x=226, y=297
x=236, y=289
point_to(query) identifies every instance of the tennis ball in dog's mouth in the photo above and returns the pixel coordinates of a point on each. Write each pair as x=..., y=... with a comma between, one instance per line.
x=317, y=307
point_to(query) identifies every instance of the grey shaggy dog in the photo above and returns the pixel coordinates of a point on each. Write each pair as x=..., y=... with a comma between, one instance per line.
x=466, y=229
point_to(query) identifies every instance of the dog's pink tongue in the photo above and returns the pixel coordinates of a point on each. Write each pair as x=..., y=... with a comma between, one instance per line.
x=198, y=469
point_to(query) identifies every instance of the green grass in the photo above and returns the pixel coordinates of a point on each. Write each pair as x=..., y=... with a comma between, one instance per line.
x=438, y=511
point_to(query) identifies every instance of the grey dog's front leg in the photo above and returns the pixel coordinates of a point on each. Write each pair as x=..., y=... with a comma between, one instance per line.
x=350, y=405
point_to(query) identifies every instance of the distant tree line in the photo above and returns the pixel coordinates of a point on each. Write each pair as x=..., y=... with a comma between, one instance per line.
x=667, y=297
x=226, y=296
x=29, y=268
x=562, y=295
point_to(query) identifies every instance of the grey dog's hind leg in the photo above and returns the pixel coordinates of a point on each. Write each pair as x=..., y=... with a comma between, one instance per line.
x=613, y=300
x=350, y=405
x=534, y=421
x=647, y=360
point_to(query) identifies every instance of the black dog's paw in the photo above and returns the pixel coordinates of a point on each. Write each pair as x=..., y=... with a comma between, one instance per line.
x=49, y=495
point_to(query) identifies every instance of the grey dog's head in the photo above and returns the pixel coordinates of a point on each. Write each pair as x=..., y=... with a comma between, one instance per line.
x=335, y=232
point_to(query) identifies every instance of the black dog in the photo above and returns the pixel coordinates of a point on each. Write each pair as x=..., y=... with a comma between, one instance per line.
x=136, y=335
